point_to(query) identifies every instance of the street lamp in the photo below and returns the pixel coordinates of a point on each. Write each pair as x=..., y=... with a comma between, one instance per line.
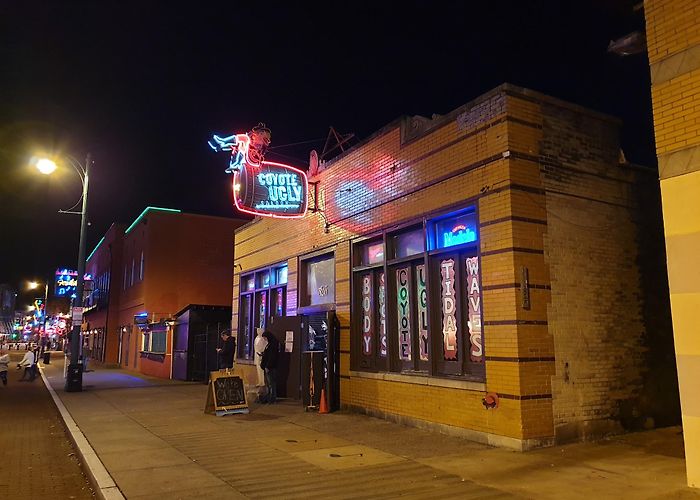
x=74, y=376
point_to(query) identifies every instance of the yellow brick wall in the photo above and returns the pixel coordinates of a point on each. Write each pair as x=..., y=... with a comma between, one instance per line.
x=487, y=154
x=673, y=39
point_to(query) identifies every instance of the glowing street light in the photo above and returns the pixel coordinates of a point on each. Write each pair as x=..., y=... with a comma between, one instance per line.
x=33, y=285
x=74, y=378
x=45, y=166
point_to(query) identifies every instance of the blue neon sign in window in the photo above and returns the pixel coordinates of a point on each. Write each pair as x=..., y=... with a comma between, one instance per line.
x=454, y=229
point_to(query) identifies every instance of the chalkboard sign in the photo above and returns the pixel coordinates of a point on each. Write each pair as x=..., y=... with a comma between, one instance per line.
x=225, y=394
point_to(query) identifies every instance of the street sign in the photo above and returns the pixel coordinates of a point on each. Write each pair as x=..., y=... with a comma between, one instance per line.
x=77, y=315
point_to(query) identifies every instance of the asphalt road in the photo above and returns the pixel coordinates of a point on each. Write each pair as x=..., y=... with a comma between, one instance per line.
x=37, y=459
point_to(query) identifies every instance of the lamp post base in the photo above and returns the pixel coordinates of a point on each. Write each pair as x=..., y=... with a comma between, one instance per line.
x=74, y=378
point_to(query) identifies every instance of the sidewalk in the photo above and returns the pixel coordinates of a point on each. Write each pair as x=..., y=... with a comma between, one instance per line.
x=37, y=459
x=155, y=441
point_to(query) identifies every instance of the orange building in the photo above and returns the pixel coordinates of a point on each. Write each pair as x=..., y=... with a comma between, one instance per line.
x=168, y=261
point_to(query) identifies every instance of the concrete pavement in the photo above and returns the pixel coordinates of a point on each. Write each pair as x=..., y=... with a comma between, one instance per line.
x=155, y=441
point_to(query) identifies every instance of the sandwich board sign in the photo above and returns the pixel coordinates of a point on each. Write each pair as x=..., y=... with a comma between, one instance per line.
x=225, y=394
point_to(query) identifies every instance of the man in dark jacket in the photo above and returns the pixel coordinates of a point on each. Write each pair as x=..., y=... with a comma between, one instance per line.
x=270, y=356
x=226, y=351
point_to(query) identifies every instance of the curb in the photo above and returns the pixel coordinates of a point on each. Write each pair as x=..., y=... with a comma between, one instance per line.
x=105, y=487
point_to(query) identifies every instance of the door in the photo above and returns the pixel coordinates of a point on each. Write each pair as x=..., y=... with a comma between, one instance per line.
x=180, y=340
x=287, y=330
x=321, y=336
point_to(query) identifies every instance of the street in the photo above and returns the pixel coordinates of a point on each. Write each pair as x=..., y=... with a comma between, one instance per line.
x=38, y=460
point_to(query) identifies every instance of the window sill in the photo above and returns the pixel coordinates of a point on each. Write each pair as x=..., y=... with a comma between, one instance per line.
x=420, y=379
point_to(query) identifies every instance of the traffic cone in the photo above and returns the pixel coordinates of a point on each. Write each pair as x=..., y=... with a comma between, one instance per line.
x=323, y=407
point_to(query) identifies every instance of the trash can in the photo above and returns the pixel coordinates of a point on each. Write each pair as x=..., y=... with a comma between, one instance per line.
x=47, y=358
x=74, y=378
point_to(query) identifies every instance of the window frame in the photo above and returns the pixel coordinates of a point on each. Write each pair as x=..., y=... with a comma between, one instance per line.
x=434, y=366
x=252, y=312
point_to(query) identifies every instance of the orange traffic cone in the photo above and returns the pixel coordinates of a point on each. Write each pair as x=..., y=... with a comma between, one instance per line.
x=323, y=407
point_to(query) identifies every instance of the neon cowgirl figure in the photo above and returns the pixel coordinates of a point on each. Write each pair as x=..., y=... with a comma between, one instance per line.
x=247, y=148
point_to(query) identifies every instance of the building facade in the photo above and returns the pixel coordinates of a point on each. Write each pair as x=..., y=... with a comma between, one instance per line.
x=484, y=270
x=162, y=262
x=101, y=307
x=673, y=43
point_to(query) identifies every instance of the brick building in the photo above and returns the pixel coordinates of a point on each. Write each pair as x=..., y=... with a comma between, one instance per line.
x=167, y=260
x=487, y=257
x=101, y=325
x=673, y=39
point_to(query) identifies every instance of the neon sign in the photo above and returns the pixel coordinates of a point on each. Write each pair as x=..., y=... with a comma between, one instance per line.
x=458, y=235
x=404, y=316
x=261, y=187
x=67, y=282
x=476, y=352
x=382, y=316
x=246, y=149
x=422, y=295
x=272, y=190
x=367, y=327
x=449, y=308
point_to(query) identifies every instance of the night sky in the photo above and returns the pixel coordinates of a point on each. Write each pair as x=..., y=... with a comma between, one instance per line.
x=142, y=85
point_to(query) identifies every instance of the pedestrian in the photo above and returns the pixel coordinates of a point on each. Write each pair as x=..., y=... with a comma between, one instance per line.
x=226, y=351
x=28, y=363
x=269, y=360
x=4, y=362
x=259, y=346
x=87, y=354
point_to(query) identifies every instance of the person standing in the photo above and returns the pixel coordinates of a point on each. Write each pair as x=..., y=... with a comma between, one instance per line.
x=28, y=363
x=270, y=357
x=4, y=363
x=226, y=351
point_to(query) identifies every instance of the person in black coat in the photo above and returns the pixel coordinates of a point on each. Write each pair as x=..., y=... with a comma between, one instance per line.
x=270, y=357
x=226, y=351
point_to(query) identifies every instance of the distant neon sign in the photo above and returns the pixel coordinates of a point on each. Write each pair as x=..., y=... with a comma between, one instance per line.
x=67, y=282
x=261, y=187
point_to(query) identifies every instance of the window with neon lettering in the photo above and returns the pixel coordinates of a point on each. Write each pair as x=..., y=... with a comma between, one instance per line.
x=453, y=230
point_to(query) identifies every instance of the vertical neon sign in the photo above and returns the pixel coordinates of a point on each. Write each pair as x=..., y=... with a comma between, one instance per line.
x=449, y=309
x=382, y=316
x=367, y=323
x=404, y=316
x=422, y=312
x=476, y=352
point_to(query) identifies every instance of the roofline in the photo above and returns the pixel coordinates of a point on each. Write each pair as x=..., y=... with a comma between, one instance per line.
x=145, y=211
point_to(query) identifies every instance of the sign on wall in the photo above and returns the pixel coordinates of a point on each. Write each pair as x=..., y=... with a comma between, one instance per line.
x=367, y=309
x=476, y=352
x=404, y=312
x=271, y=190
x=261, y=187
x=449, y=308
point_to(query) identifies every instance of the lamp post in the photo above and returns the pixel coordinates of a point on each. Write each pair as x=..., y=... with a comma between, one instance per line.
x=74, y=376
